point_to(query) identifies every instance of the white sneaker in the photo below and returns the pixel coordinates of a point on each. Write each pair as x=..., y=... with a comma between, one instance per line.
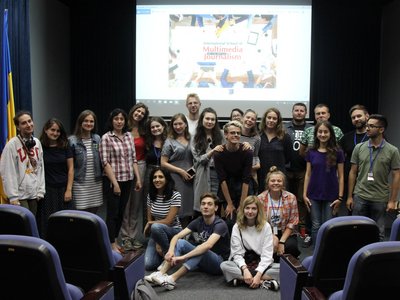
x=150, y=278
x=159, y=278
x=168, y=284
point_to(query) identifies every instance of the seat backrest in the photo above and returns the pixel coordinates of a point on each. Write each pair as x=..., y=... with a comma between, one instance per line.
x=17, y=220
x=337, y=240
x=373, y=272
x=31, y=269
x=81, y=240
x=395, y=231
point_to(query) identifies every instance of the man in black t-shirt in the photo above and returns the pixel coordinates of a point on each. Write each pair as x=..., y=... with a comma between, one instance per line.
x=296, y=171
x=359, y=117
x=213, y=249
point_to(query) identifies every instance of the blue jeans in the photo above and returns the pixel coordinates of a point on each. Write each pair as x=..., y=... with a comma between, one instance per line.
x=160, y=234
x=320, y=213
x=208, y=262
x=371, y=209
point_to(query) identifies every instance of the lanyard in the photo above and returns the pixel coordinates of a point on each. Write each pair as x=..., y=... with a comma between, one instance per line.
x=355, y=138
x=372, y=160
x=272, y=206
x=157, y=153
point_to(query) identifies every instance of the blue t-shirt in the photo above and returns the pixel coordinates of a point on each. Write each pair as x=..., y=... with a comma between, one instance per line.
x=222, y=246
x=324, y=182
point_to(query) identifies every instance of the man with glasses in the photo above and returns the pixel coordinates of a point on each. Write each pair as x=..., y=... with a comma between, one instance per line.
x=233, y=166
x=369, y=193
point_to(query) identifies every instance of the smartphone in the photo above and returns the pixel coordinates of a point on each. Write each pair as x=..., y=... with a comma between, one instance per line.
x=191, y=171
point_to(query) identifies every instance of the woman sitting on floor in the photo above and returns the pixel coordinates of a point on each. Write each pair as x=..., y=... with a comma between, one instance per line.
x=251, y=247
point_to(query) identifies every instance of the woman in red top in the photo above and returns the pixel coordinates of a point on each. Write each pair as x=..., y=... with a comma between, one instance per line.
x=132, y=223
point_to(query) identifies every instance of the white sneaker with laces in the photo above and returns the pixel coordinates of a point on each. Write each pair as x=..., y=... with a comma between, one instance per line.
x=150, y=278
x=169, y=284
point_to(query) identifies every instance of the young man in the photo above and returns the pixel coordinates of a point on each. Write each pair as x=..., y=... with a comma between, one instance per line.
x=21, y=165
x=233, y=166
x=372, y=161
x=212, y=249
x=359, y=117
x=321, y=113
x=297, y=169
x=193, y=105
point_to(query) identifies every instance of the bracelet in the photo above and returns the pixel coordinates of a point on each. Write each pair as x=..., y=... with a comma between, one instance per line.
x=340, y=198
x=282, y=243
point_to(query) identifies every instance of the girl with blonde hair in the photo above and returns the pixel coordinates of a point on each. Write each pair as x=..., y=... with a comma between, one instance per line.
x=251, y=247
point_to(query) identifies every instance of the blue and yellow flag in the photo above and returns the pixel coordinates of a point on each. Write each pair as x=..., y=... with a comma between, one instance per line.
x=7, y=109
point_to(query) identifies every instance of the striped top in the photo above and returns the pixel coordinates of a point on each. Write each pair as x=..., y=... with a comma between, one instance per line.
x=160, y=207
x=88, y=193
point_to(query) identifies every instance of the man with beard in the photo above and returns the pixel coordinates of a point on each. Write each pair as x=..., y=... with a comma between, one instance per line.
x=193, y=105
x=297, y=169
x=372, y=161
x=359, y=116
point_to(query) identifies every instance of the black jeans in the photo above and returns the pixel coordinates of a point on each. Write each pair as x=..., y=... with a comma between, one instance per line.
x=116, y=206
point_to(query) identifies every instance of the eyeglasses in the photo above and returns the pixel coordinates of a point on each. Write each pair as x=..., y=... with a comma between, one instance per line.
x=372, y=126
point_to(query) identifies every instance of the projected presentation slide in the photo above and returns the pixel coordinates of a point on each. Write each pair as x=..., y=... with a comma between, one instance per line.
x=241, y=56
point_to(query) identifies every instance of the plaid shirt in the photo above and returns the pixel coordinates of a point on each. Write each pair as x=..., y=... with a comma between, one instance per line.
x=120, y=154
x=289, y=211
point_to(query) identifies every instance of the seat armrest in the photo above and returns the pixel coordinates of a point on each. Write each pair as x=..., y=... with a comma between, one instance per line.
x=103, y=290
x=293, y=277
x=127, y=272
x=312, y=293
x=128, y=258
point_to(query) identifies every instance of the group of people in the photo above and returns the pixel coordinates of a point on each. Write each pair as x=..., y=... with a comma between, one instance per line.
x=230, y=200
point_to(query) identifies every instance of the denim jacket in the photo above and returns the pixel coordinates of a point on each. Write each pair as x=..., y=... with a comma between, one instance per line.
x=80, y=157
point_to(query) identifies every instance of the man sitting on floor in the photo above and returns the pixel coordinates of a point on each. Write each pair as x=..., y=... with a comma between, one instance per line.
x=213, y=247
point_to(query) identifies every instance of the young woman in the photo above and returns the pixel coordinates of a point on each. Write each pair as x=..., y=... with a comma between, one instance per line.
x=280, y=207
x=87, y=190
x=59, y=172
x=163, y=204
x=275, y=146
x=236, y=115
x=156, y=134
x=207, y=140
x=176, y=157
x=118, y=156
x=251, y=233
x=132, y=223
x=323, y=182
x=250, y=135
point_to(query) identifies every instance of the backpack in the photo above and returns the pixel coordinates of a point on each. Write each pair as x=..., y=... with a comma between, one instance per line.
x=144, y=291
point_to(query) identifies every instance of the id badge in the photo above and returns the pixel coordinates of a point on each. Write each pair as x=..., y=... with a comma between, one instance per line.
x=370, y=176
x=275, y=229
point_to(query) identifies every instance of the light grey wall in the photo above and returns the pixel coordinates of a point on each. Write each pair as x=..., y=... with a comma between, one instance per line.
x=389, y=104
x=50, y=62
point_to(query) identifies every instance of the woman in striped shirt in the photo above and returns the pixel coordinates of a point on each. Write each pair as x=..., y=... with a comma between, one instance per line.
x=87, y=189
x=163, y=204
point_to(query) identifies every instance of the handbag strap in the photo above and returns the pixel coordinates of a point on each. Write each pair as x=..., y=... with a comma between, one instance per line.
x=241, y=238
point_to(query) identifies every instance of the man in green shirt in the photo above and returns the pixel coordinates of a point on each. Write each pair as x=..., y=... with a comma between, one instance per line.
x=369, y=193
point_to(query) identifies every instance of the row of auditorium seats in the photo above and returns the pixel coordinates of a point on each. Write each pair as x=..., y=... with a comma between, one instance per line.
x=348, y=262
x=77, y=251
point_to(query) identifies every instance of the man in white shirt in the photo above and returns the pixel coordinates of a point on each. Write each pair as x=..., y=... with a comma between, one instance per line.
x=193, y=105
